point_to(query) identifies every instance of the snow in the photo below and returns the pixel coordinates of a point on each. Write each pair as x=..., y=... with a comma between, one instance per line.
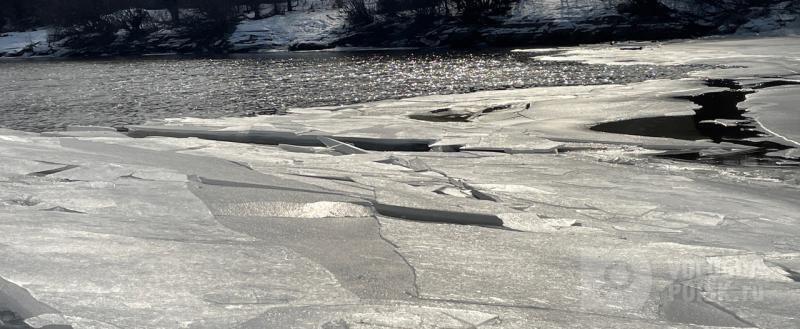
x=204, y=233
x=549, y=121
x=538, y=221
x=563, y=9
x=315, y=24
x=15, y=42
x=281, y=31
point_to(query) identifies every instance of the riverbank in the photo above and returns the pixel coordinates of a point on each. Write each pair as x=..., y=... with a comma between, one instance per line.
x=495, y=209
x=587, y=22
x=319, y=25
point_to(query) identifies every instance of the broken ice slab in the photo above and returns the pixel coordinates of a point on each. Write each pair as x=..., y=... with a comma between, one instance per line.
x=10, y=167
x=724, y=153
x=726, y=123
x=530, y=222
x=20, y=304
x=230, y=134
x=398, y=315
x=792, y=153
x=340, y=147
x=90, y=128
x=520, y=268
x=276, y=136
x=442, y=115
x=720, y=151
x=740, y=284
x=497, y=143
x=423, y=204
x=307, y=149
x=513, y=144
x=84, y=133
x=680, y=154
x=319, y=209
x=415, y=164
x=404, y=201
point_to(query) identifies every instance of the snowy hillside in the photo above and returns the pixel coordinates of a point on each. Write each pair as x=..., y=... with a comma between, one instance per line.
x=316, y=24
x=532, y=9
x=18, y=43
x=283, y=31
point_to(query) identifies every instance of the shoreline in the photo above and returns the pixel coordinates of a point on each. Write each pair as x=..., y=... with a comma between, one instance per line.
x=323, y=29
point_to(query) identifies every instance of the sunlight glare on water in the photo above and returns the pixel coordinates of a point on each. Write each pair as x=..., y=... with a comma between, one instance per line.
x=47, y=95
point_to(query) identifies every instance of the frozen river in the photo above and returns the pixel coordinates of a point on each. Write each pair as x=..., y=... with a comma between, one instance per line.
x=46, y=95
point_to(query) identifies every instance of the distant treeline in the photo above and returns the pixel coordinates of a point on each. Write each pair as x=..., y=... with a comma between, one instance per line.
x=365, y=11
x=22, y=14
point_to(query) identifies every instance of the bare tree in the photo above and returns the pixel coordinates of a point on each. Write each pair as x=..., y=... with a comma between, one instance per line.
x=358, y=12
x=134, y=20
x=174, y=11
x=254, y=6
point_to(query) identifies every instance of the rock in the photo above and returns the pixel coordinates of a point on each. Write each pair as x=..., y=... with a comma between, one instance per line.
x=308, y=45
x=781, y=5
x=759, y=25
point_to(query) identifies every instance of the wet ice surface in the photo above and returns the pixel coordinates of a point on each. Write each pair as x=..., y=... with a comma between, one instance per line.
x=365, y=216
x=208, y=234
x=49, y=95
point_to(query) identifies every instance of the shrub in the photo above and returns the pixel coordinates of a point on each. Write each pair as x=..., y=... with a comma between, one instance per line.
x=388, y=7
x=92, y=33
x=645, y=8
x=136, y=21
x=424, y=8
x=477, y=10
x=357, y=12
x=221, y=11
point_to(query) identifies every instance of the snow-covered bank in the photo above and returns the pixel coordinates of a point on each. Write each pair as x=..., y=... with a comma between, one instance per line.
x=291, y=29
x=550, y=22
x=561, y=225
x=530, y=22
x=317, y=24
x=24, y=43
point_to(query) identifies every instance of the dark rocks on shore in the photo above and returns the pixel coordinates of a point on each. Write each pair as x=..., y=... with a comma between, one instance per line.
x=551, y=32
x=725, y=17
x=309, y=45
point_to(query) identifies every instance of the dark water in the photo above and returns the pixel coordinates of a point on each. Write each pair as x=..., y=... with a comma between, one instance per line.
x=46, y=95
